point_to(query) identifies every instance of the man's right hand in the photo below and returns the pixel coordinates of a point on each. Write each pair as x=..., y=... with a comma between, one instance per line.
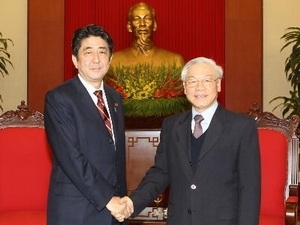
x=121, y=209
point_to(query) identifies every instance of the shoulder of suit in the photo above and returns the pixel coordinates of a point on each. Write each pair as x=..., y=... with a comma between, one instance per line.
x=66, y=85
x=180, y=117
x=230, y=115
x=110, y=91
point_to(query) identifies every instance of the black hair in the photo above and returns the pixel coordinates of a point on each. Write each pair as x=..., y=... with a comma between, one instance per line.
x=87, y=31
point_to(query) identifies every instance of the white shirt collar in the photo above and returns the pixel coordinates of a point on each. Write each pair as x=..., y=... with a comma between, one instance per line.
x=91, y=89
x=207, y=116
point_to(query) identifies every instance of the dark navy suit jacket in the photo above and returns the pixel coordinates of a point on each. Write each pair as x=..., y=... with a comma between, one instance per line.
x=88, y=167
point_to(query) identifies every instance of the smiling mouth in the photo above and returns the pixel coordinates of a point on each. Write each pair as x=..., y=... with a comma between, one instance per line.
x=200, y=96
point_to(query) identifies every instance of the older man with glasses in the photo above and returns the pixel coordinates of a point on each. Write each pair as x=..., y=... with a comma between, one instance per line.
x=211, y=163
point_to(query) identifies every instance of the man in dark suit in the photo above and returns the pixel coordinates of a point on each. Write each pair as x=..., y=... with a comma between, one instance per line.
x=214, y=179
x=88, y=155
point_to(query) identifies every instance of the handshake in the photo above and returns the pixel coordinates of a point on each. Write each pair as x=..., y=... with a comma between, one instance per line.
x=120, y=208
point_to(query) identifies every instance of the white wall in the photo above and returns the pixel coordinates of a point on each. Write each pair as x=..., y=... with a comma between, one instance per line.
x=277, y=16
x=13, y=25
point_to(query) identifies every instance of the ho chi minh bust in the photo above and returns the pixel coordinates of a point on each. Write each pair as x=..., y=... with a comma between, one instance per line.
x=142, y=23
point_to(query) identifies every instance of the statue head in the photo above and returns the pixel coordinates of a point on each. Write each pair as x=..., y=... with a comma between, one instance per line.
x=141, y=23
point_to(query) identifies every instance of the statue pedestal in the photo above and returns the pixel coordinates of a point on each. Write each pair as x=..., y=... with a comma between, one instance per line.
x=150, y=122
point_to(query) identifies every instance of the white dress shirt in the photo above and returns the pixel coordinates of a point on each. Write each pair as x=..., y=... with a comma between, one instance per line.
x=207, y=116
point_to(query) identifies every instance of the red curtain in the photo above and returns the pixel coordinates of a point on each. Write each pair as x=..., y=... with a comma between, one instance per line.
x=191, y=27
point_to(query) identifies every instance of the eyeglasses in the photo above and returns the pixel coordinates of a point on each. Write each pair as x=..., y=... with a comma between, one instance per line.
x=207, y=82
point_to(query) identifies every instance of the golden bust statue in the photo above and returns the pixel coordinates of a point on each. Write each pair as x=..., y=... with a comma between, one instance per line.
x=148, y=77
x=142, y=24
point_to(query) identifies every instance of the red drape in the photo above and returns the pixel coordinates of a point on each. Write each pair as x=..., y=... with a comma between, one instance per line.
x=191, y=27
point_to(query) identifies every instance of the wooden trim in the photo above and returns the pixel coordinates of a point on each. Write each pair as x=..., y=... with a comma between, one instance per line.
x=45, y=49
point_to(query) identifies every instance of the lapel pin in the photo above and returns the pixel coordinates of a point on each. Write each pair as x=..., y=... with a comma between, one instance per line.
x=116, y=105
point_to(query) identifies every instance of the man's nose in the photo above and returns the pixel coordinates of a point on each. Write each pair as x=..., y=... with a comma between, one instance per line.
x=96, y=57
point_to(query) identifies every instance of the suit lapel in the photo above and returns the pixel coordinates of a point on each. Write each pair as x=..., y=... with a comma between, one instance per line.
x=86, y=103
x=183, y=132
x=213, y=133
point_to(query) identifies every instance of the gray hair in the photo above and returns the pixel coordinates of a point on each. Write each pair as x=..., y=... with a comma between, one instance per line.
x=202, y=60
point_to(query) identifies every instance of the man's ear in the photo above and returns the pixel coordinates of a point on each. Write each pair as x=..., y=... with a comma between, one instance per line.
x=154, y=26
x=129, y=28
x=219, y=85
x=184, y=87
x=74, y=60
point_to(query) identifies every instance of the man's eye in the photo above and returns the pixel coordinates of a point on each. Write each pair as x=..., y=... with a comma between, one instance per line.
x=136, y=20
x=148, y=19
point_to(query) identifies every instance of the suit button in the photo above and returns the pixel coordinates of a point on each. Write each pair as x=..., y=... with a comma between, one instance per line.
x=189, y=211
x=193, y=186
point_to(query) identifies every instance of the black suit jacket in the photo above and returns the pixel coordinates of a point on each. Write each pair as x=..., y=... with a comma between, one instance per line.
x=88, y=167
x=225, y=187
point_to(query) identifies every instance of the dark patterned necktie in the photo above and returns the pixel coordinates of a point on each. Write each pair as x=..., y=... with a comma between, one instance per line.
x=198, y=128
x=103, y=111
